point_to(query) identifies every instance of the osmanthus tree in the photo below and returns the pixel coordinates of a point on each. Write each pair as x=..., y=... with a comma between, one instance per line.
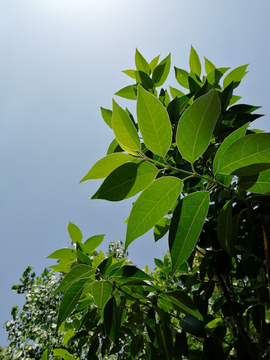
x=203, y=177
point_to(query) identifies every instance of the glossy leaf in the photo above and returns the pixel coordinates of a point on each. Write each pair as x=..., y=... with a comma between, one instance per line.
x=93, y=242
x=194, y=62
x=63, y=254
x=141, y=63
x=248, y=155
x=193, y=326
x=161, y=72
x=101, y=291
x=74, y=233
x=258, y=183
x=235, y=75
x=183, y=301
x=124, y=130
x=70, y=300
x=107, y=116
x=224, y=228
x=196, y=125
x=154, y=122
x=187, y=222
x=127, y=92
x=182, y=77
x=154, y=63
x=208, y=66
x=75, y=274
x=106, y=165
x=126, y=181
x=152, y=205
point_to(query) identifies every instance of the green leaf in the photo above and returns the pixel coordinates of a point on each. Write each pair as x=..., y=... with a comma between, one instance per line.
x=161, y=228
x=129, y=273
x=165, y=341
x=214, y=76
x=145, y=80
x=126, y=181
x=106, y=165
x=175, y=92
x=63, y=266
x=248, y=155
x=152, y=205
x=196, y=125
x=44, y=355
x=193, y=326
x=187, y=222
x=237, y=134
x=130, y=73
x=224, y=228
x=154, y=122
x=70, y=300
x=107, y=116
x=125, y=131
x=161, y=72
x=75, y=274
x=208, y=66
x=63, y=353
x=74, y=233
x=111, y=320
x=63, y=254
x=154, y=63
x=258, y=183
x=194, y=62
x=127, y=92
x=236, y=76
x=183, y=301
x=101, y=291
x=136, y=344
x=141, y=63
x=93, y=242
x=182, y=77
x=114, y=147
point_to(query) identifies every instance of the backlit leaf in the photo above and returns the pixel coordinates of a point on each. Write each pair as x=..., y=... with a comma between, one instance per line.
x=154, y=122
x=187, y=222
x=248, y=155
x=107, y=116
x=152, y=205
x=101, y=291
x=182, y=77
x=161, y=228
x=126, y=181
x=63, y=254
x=141, y=63
x=235, y=75
x=194, y=62
x=208, y=66
x=75, y=274
x=106, y=165
x=74, y=233
x=154, y=63
x=63, y=353
x=93, y=242
x=127, y=92
x=175, y=92
x=196, y=125
x=161, y=72
x=130, y=73
x=258, y=183
x=124, y=130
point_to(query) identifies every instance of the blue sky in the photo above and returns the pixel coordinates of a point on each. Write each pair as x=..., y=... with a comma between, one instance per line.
x=60, y=61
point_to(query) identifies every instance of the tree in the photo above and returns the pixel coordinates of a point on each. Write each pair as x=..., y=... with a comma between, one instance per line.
x=203, y=177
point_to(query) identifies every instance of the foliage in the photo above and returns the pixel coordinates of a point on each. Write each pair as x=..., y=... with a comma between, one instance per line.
x=203, y=177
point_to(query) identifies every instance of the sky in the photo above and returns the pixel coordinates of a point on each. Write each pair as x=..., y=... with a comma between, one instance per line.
x=60, y=61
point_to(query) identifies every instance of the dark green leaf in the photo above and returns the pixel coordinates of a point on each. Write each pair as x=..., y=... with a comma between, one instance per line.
x=136, y=345
x=161, y=72
x=193, y=326
x=224, y=228
x=154, y=63
x=258, y=183
x=165, y=341
x=161, y=228
x=212, y=349
x=75, y=274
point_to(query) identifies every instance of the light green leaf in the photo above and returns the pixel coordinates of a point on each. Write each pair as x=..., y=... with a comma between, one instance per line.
x=175, y=92
x=107, y=116
x=125, y=131
x=130, y=73
x=152, y=205
x=194, y=62
x=106, y=165
x=234, y=99
x=182, y=77
x=141, y=63
x=114, y=147
x=214, y=76
x=161, y=72
x=248, y=155
x=63, y=254
x=127, y=92
x=258, y=183
x=161, y=228
x=63, y=266
x=224, y=228
x=196, y=125
x=237, y=134
x=208, y=66
x=63, y=353
x=154, y=123
x=235, y=75
x=183, y=301
x=101, y=291
x=126, y=181
x=44, y=355
x=154, y=63
x=74, y=233
x=93, y=242
x=70, y=300
x=75, y=274
x=187, y=222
